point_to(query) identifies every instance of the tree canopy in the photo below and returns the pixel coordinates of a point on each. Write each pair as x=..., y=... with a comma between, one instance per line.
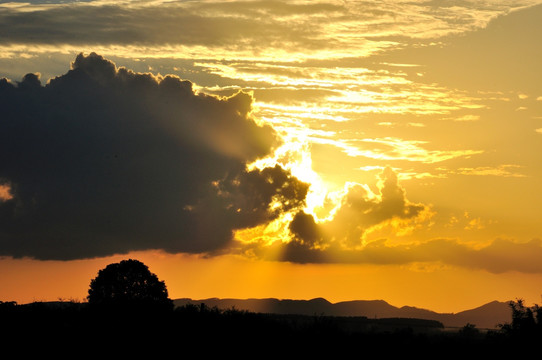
x=128, y=285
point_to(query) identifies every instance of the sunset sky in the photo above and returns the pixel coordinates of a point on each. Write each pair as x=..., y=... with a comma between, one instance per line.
x=290, y=149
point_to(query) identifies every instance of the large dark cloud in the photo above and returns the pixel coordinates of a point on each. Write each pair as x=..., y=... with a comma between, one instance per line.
x=104, y=160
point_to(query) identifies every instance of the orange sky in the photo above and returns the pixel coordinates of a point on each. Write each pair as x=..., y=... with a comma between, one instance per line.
x=416, y=125
x=437, y=288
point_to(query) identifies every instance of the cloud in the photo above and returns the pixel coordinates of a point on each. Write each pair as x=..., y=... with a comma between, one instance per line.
x=342, y=239
x=497, y=257
x=501, y=170
x=468, y=117
x=105, y=160
x=304, y=28
x=358, y=213
x=391, y=148
x=162, y=24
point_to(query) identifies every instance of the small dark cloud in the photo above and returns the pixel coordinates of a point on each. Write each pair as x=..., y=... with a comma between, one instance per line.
x=305, y=231
x=105, y=160
x=358, y=212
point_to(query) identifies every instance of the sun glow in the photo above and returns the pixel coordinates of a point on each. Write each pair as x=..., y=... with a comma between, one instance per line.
x=295, y=156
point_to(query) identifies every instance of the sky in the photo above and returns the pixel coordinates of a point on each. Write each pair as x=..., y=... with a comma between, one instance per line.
x=350, y=150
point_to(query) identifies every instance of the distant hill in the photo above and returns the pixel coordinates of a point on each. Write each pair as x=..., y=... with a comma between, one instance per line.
x=487, y=316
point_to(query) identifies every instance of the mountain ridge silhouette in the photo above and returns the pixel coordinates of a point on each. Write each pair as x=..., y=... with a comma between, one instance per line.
x=487, y=316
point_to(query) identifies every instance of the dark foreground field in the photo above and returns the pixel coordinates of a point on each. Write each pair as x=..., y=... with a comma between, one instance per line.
x=73, y=330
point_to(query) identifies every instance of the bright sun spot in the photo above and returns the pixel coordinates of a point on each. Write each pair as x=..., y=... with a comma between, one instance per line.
x=295, y=156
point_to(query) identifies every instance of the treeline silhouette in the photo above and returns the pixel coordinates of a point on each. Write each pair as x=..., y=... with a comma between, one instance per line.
x=72, y=326
x=150, y=329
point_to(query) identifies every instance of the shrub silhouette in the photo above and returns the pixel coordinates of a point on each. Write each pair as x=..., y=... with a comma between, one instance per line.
x=126, y=286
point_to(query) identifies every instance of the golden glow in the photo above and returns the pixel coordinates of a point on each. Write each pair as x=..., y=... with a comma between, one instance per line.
x=232, y=277
x=5, y=193
x=353, y=89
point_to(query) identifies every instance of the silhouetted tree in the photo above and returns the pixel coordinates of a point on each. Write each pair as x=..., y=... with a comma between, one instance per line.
x=526, y=321
x=128, y=285
x=522, y=317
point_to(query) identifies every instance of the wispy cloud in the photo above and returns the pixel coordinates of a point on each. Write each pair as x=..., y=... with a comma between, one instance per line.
x=323, y=27
x=501, y=170
x=399, y=149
